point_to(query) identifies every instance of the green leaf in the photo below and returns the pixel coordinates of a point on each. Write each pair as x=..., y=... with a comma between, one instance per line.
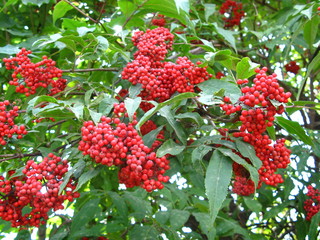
x=87, y=176
x=103, y=43
x=23, y=235
x=183, y=5
x=120, y=204
x=35, y=2
x=248, y=151
x=295, y=129
x=77, y=109
x=60, y=9
x=209, y=9
x=215, y=85
x=192, y=115
x=169, y=147
x=253, y=171
x=166, y=112
x=245, y=68
x=143, y=233
x=178, y=218
x=175, y=99
x=227, y=35
x=253, y=204
x=217, y=180
x=86, y=214
x=234, y=225
x=134, y=90
x=199, y=152
x=162, y=216
x=310, y=31
x=9, y=49
x=95, y=116
x=314, y=226
x=132, y=105
x=150, y=137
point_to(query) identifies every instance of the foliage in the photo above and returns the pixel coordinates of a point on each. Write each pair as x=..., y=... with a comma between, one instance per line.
x=99, y=59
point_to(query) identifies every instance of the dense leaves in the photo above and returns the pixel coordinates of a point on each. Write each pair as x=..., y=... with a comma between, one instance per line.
x=172, y=119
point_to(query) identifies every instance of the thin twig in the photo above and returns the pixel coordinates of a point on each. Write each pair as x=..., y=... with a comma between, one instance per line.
x=80, y=11
x=91, y=70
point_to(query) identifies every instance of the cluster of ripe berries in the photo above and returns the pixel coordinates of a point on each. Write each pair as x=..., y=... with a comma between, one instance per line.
x=37, y=189
x=257, y=112
x=160, y=79
x=312, y=205
x=29, y=76
x=160, y=21
x=292, y=67
x=233, y=12
x=114, y=142
x=7, y=126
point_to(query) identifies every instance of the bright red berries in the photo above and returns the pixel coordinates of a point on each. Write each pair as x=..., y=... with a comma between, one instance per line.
x=113, y=142
x=160, y=21
x=160, y=79
x=37, y=189
x=219, y=75
x=7, y=126
x=292, y=67
x=29, y=76
x=312, y=205
x=233, y=13
x=256, y=114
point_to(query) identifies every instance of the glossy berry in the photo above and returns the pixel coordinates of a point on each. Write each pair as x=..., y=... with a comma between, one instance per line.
x=233, y=13
x=292, y=67
x=312, y=205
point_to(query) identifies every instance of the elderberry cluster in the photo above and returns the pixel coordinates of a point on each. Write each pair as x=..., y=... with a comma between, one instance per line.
x=234, y=13
x=292, y=67
x=37, y=189
x=113, y=142
x=257, y=112
x=312, y=205
x=29, y=76
x=7, y=126
x=159, y=79
x=147, y=127
x=160, y=21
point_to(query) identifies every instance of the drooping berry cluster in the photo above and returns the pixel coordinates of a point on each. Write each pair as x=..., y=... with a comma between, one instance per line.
x=219, y=75
x=113, y=142
x=7, y=126
x=256, y=114
x=312, y=205
x=233, y=13
x=29, y=76
x=159, y=79
x=37, y=189
x=292, y=67
x=160, y=21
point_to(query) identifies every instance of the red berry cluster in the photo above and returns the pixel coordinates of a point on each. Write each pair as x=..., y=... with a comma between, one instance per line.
x=28, y=76
x=7, y=126
x=256, y=114
x=113, y=142
x=234, y=12
x=38, y=190
x=312, y=205
x=292, y=67
x=219, y=75
x=160, y=21
x=147, y=127
x=159, y=79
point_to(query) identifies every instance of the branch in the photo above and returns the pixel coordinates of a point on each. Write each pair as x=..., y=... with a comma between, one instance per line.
x=80, y=11
x=19, y=155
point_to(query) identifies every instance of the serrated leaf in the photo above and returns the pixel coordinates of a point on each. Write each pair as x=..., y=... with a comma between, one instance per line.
x=60, y=9
x=132, y=105
x=227, y=35
x=218, y=176
x=77, y=109
x=252, y=204
x=178, y=218
x=169, y=147
x=87, y=176
x=209, y=9
x=295, y=129
x=95, y=116
x=314, y=226
x=199, y=152
x=166, y=112
x=248, y=151
x=134, y=90
x=182, y=4
x=192, y=115
x=253, y=171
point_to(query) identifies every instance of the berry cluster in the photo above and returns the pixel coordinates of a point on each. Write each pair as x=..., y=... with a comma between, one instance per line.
x=219, y=75
x=160, y=21
x=234, y=13
x=256, y=114
x=312, y=205
x=292, y=67
x=28, y=76
x=7, y=126
x=113, y=142
x=37, y=190
x=159, y=79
